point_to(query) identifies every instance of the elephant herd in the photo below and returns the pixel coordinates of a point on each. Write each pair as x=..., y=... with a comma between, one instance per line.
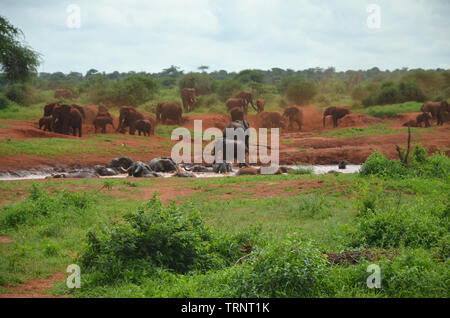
x=438, y=111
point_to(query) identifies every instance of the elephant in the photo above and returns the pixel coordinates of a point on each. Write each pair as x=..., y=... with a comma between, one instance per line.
x=163, y=165
x=222, y=167
x=222, y=145
x=295, y=115
x=183, y=174
x=248, y=99
x=105, y=171
x=336, y=112
x=47, y=122
x=120, y=164
x=236, y=103
x=48, y=109
x=423, y=118
x=342, y=164
x=101, y=121
x=238, y=124
x=272, y=119
x=144, y=126
x=152, y=121
x=260, y=105
x=139, y=169
x=443, y=113
x=169, y=110
x=127, y=118
x=66, y=117
x=237, y=114
x=63, y=93
x=431, y=107
x=198, y=168
x=248, y=171
x=188, y=98
x=410, y=123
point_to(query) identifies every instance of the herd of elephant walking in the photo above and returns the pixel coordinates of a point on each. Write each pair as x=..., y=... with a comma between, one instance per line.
x=66, y=119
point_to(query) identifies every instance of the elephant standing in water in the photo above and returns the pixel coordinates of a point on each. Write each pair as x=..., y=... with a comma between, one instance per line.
x=169, y=110
x=336, y=112
x=66, y=117
x=188, y=98
x=128, y=117
x=295, y=115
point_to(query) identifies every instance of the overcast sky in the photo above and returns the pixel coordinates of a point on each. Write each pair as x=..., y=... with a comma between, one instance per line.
x=234, y=35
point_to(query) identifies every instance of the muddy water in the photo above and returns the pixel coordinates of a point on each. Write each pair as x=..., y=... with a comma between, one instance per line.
x=36, y=174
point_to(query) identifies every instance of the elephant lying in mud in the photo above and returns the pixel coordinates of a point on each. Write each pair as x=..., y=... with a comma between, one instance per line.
x=139, y=169
x=163, y=165
x=336, y=113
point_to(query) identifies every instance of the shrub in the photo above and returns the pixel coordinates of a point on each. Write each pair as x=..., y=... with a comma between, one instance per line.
x=202, y=83
x=4, y=101
x=379, y=164
x=228, y=88
x=410, y=91
x=291, y=268
x=40, y=204
x=23, y=94
x=301, y=92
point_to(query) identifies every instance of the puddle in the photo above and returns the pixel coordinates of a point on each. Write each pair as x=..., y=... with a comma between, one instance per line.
x=36, y=174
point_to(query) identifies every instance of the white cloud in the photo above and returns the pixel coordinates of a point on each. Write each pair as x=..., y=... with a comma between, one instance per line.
x=233, y=35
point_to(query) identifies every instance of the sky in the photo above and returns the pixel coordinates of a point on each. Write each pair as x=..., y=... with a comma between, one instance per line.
x=233, y=35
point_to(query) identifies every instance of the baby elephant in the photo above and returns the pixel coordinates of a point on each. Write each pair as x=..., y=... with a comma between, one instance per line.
x=423, y=118
x=46, y=121
x=144, y=126
x=101, y=122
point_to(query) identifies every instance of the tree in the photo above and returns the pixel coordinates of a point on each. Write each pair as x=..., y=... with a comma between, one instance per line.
x=203, y=68
x=17, y=60
x=301, y=92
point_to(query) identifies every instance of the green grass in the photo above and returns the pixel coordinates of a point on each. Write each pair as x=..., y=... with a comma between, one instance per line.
x=392, y=110
x=374, y=129
x=52, y=147
x=327, y=215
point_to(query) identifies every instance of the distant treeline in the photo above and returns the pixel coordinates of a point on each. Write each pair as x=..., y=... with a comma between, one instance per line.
x=323, y=86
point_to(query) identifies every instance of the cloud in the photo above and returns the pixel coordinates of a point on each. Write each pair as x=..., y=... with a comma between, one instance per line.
x=234, y=35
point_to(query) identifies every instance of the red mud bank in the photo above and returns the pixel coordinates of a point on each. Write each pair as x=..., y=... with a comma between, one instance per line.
x=308, y=146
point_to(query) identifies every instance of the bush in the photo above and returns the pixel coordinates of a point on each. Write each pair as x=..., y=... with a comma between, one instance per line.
x=4, y=101
x=301, y=92
x=23, y=94
x=436, y=166
x=228, y=88
x=202, y=83
x=289, y=269
x=39, y=204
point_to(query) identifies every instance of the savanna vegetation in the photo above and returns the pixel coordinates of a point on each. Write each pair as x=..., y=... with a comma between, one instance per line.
x=274, y=246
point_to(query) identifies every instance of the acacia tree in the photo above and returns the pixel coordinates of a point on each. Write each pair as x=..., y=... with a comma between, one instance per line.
x=17, y=60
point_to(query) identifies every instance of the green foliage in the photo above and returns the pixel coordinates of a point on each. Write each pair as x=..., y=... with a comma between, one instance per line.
x=23, y=94
x=39, y=204
x=202, y=83
x=133, y=90
x=292, y=268
x=4, y=101
x=301, y=170
x=392, y=93
x=301, y=92
x=436, y=166
x=17, y=60
x=228, y=88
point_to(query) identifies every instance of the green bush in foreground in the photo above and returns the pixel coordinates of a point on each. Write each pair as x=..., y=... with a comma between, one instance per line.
x=436, y=166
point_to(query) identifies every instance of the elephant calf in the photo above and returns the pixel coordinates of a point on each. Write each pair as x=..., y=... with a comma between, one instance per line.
x=423, y=118
x=270, y=119
x=101, y=122
x=47, y=122
x=260, y=105
x=144, y=126
x=295, y=115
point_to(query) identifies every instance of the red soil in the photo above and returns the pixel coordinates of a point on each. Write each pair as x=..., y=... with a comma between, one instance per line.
x=307, y=146
x=37, y=288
